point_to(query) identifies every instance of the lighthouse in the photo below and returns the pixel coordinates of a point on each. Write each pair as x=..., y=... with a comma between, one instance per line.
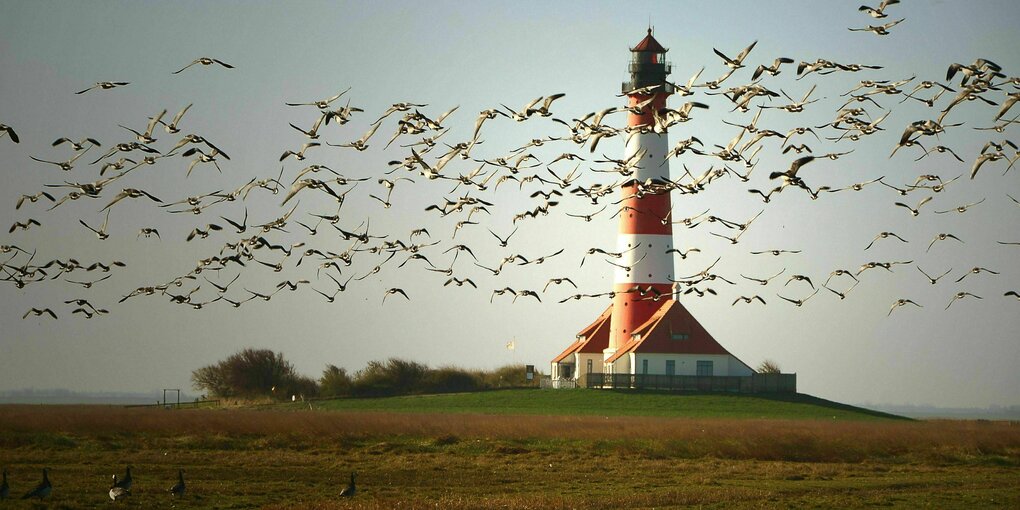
x=645, y=330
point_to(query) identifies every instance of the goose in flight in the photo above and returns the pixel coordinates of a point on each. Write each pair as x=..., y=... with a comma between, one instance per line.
x=37, y=312
x=105, y=85
x=976, y=270
x=205, y=61
x=883, y=235
x=899, y=303
x=736, y=62
x=323, y=103
x=172, y=126
x=914, y=211
x=941, y=237
x=101, y=231
x=763, y=281
x=961, y=295
x=877, y=12
x=392, y=291
x=748, y=300
x=799, y=302
x=880, y=29
x=9, y=131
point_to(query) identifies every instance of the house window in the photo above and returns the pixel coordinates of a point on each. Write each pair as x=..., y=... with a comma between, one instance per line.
x=670, y=367
x=589, y=366
x=680, y=336
x=644, y=366
x=704, y=368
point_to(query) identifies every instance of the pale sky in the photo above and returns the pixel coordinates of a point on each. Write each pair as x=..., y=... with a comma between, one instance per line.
x=476, y=56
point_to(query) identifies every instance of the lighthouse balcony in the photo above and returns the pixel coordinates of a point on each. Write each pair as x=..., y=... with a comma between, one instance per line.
x=639, y=82
x=664, y=67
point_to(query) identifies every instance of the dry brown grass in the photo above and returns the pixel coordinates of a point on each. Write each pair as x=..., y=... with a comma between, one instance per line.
x=793, y=440
x=244, y=458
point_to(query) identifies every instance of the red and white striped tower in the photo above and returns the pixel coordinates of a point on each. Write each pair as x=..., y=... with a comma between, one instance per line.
x=645, y=234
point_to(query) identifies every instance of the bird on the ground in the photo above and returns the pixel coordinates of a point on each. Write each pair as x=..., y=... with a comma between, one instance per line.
x=44, y=489
x=105, y=85
x=205, y=61
x=177, y=489
x=118, y=492
x=348, y=492
x=899, y=303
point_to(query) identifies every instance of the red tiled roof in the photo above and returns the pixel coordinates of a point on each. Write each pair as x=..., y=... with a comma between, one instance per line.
x=649, y=44
x=595, y=337
x=656, y=334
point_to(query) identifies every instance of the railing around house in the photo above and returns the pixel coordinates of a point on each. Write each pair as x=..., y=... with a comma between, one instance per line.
x=755, y=383
x=557, y=384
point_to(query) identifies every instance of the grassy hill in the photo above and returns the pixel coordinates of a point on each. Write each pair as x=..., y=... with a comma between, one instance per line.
x=612, y=403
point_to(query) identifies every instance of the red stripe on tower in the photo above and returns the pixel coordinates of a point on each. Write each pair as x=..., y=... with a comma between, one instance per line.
x=645, y=231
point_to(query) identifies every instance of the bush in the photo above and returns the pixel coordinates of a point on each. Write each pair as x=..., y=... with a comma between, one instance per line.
x=452, y=380
x=253, y=373
x=769, y=367
x=394, y=377
x=335, y=382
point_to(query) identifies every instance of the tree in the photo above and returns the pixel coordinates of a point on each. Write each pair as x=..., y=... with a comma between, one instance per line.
x=252, y=373
x=769, y=367
x=334, y=382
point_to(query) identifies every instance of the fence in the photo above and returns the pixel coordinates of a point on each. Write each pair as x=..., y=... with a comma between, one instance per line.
x=181, y=405
x=557, y=384
x=755, y=383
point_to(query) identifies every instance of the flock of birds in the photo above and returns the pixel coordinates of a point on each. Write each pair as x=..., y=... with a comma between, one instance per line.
x=121, y=488
x=287, y=238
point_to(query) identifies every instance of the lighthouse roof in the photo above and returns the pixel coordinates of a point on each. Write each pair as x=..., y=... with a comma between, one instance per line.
x=592, y=339
x=671, y=330
x=649, y=44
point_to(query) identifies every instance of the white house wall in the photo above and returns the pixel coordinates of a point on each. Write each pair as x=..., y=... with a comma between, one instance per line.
x=686, y=364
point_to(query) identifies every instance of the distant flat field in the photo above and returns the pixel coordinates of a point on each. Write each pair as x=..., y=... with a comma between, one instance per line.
x=291, y=457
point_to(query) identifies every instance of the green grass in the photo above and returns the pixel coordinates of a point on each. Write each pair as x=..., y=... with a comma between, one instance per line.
x=583, y=402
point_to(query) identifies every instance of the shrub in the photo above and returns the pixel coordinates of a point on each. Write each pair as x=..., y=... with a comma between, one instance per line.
x=335, y=382
x=768, y=367
x=253, y=373
x=452, y=380
x=394, y=377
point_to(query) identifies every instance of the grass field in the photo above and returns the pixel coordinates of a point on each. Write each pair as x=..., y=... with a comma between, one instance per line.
x=288, y=457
